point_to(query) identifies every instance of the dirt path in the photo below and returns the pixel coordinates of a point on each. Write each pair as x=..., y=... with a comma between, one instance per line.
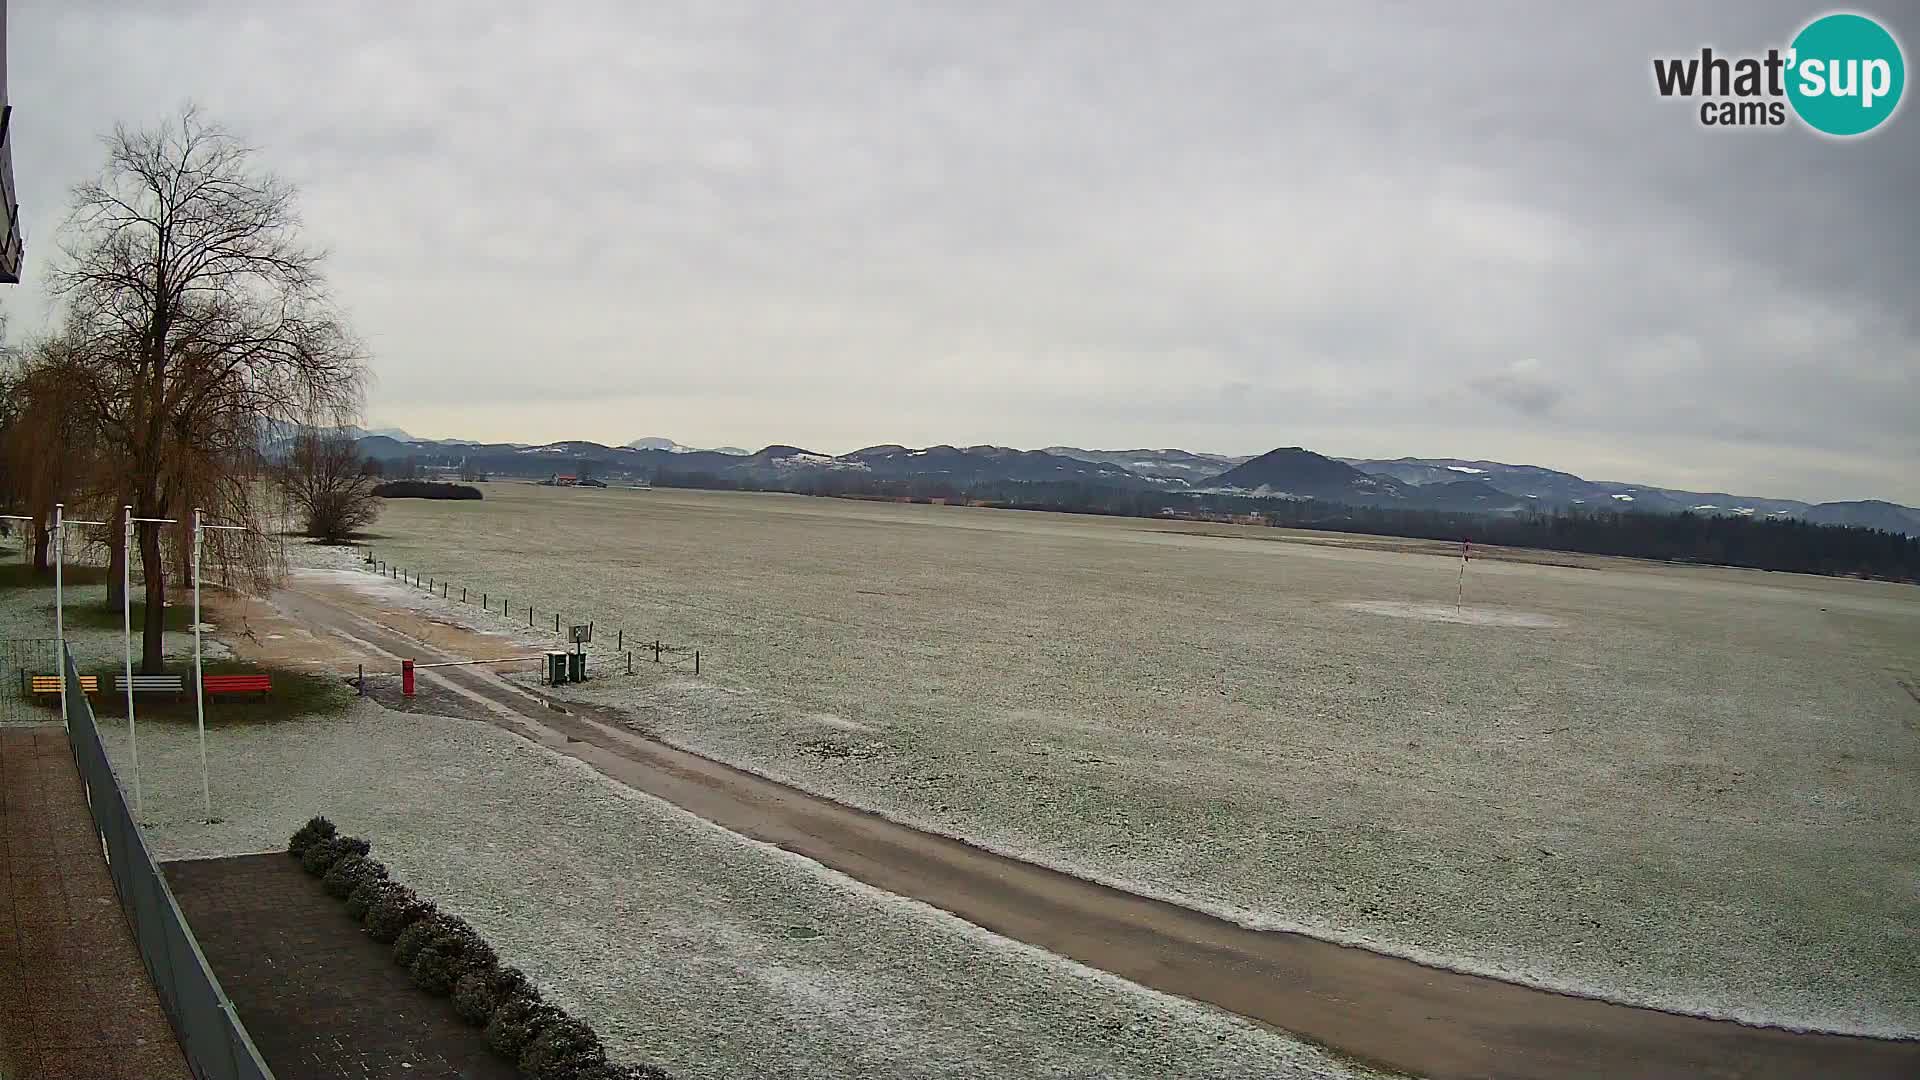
x=1384, y=1010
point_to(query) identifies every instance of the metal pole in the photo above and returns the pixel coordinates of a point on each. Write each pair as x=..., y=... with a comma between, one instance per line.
x=199, y=690
x=126, y=632
x=59, y=601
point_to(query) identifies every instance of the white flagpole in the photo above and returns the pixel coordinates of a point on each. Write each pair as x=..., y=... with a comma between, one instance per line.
x=59, y=602
x=126, y=631
x=199, y=691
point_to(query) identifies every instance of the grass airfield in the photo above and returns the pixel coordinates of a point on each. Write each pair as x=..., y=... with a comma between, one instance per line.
x=1692, y=788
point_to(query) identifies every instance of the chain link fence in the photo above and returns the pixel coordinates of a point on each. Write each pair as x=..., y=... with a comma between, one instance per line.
x=20, y=660
x=216, y=1044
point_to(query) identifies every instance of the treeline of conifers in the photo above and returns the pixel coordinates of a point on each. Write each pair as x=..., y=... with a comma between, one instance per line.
x=1757, y=543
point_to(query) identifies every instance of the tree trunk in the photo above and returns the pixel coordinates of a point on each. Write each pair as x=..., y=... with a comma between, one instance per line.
x=153, y=625
x=116, y=564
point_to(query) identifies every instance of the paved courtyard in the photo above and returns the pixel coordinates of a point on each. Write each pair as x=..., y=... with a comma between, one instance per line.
x=75, y=1002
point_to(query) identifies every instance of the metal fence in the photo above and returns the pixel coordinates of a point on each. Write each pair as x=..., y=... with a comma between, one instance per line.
x=216, y=1044
x=20, y=660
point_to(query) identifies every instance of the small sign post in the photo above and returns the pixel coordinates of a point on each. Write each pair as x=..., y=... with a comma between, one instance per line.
x=579, y=636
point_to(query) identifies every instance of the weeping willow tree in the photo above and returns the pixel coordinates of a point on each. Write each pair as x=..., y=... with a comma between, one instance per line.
x=50, y=448
x=205, y=325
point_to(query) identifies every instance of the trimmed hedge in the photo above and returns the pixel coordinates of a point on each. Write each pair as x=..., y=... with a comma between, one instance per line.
x=365, y=894
x=317, y=828
x=393, y=912
x=349, y=872
x=445, y=956
x=515, y=1022
x=449, y=958
x=561, y=1048
x=322, y=854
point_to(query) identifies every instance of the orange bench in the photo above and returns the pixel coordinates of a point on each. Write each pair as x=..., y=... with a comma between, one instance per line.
x=237, y=684
x=49, y=685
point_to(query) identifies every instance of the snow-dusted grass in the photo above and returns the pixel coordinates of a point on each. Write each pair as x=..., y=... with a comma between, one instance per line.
x=1685, y=787
x=28, y=613
x=683, y=944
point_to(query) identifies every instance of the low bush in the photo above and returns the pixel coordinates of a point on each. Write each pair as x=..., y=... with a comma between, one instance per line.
x=448, y=958
x=349, y=871
x=516, y=1020
x=561, y=1048
x=407, y=947
x=481, y=990
x=474, y=999
x=394, y=912
x=317, y=828
x=509, y=982
x=321, y=855
x=365, y=895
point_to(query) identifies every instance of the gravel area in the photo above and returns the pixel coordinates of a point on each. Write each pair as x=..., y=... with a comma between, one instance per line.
x=1685, y=787
x=684, y=944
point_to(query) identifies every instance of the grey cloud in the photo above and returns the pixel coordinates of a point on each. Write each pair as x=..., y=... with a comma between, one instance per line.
x=1520, y=386
x=862, y=222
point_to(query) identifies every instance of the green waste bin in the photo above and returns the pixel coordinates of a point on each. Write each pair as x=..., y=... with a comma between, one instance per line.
x=577, y=666
x=556, y=667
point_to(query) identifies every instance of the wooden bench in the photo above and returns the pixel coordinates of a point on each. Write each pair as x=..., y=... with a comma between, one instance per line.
x=152, y=684
x=237, y=684
x=49, y=685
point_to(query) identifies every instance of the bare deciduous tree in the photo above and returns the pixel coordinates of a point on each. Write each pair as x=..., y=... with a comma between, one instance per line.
x=325, y=481
x=205, y=321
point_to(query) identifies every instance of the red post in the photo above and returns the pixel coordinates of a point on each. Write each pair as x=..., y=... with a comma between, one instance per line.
x=406, y=677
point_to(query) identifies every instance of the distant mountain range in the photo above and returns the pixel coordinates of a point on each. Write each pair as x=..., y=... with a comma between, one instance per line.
x=1293, y=473
x=655, y=442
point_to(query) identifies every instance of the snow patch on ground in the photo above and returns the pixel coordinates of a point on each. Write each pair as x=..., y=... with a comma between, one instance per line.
x=1470, y=616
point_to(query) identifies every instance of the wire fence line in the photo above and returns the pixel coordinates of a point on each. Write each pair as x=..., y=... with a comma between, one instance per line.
x=654, y=651
x=215, y=1042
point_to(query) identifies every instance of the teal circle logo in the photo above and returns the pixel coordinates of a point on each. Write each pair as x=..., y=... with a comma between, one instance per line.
x=1845, y=74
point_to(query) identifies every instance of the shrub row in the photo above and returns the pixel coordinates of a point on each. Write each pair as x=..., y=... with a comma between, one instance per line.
x=447, y=957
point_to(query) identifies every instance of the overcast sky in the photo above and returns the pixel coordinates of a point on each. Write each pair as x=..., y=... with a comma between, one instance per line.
x=1428, y=229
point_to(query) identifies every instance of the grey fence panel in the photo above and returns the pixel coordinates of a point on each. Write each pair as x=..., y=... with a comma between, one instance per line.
x=216, y=1043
